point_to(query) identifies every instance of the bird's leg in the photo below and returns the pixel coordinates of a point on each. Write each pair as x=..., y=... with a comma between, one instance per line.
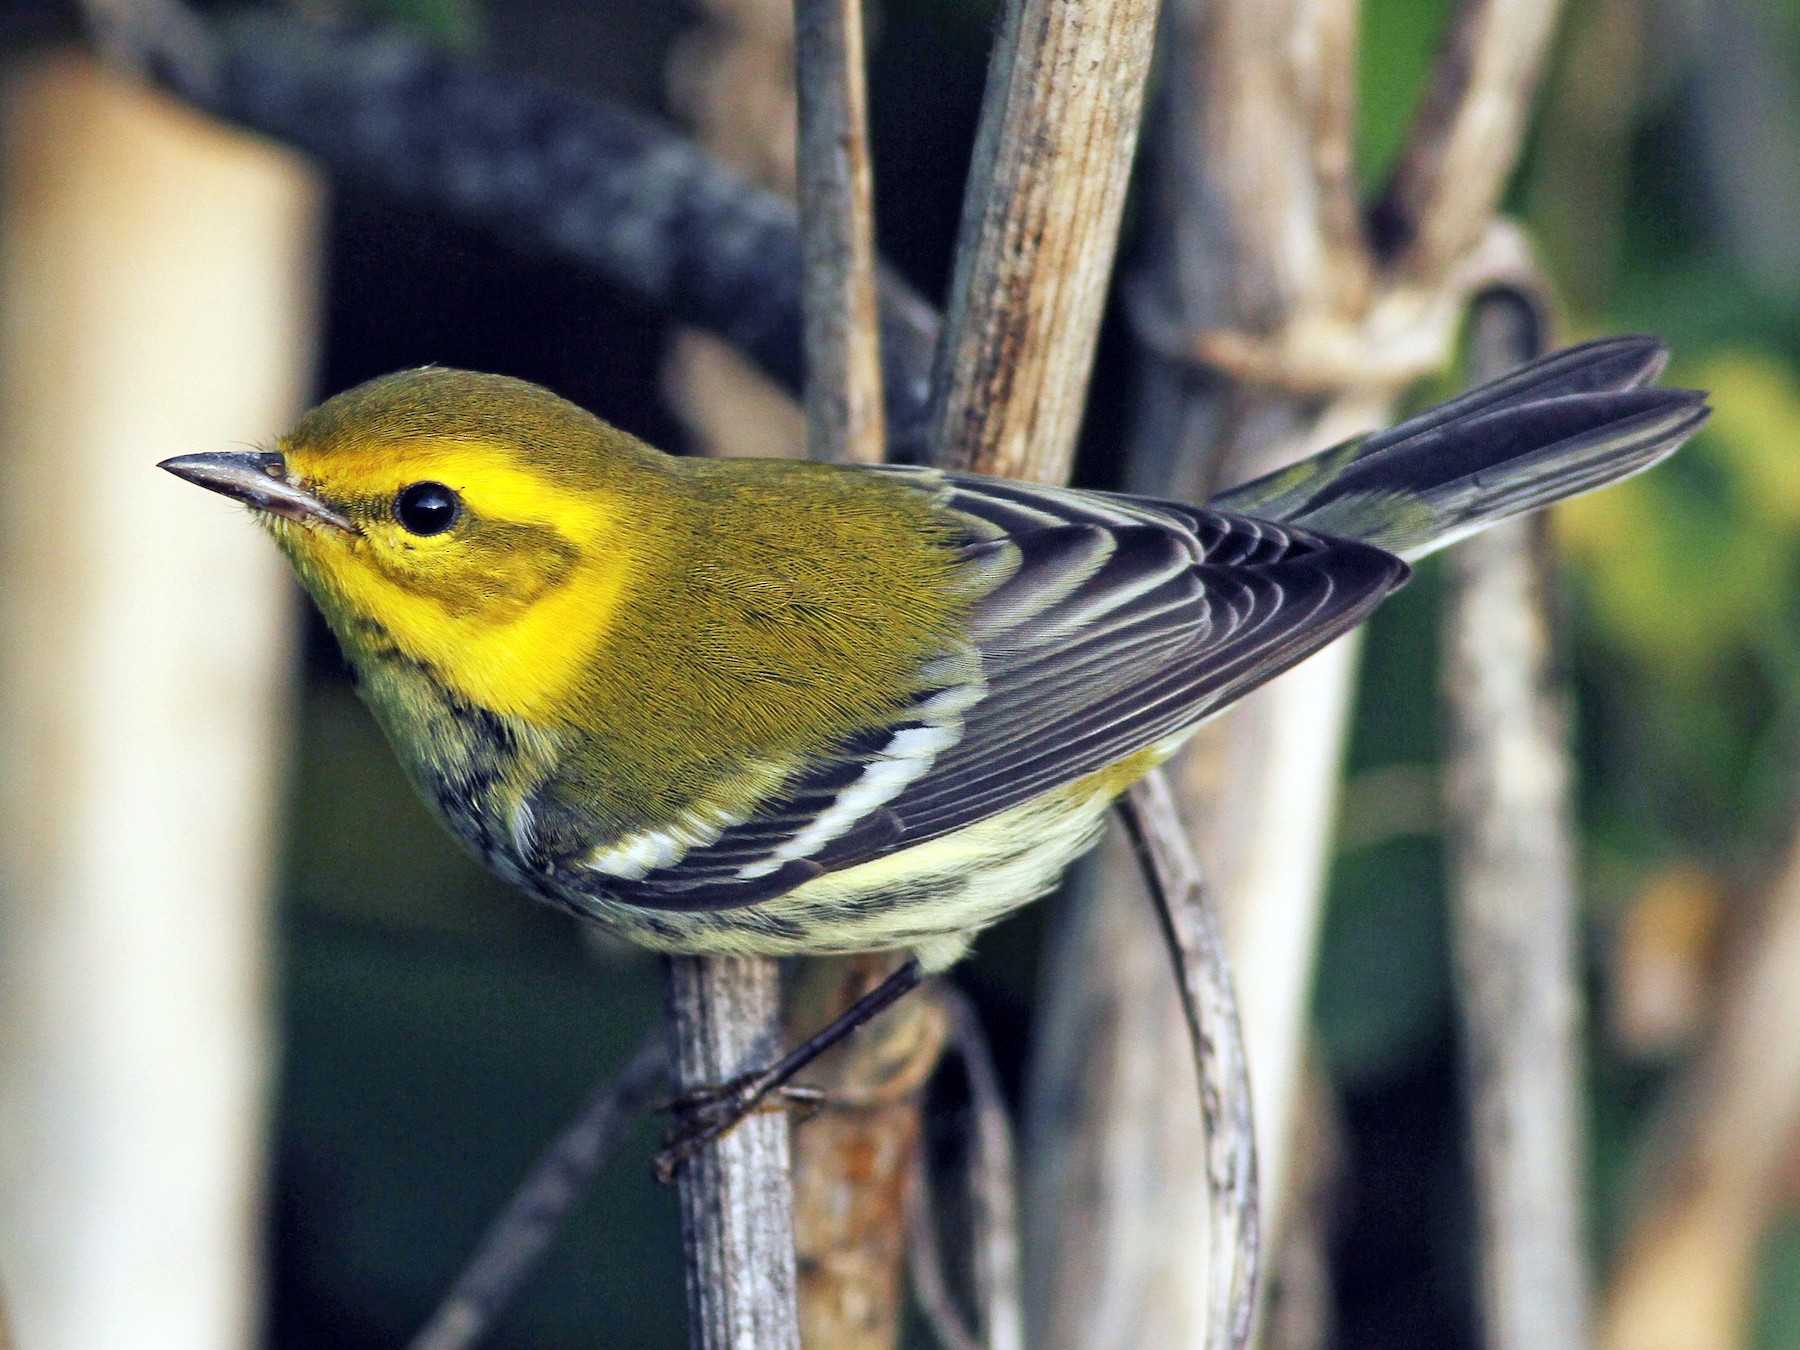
x=708, y=1113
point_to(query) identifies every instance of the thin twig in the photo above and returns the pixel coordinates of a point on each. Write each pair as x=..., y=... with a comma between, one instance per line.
x=843, y=353
x=518, y=1238
x=1210, y=1005
x=737, y=1221
x=1513, y=899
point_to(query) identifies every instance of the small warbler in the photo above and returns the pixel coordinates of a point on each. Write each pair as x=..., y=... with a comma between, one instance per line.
x=781, y=707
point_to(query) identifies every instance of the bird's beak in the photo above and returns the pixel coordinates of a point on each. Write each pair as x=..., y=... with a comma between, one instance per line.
x=260, y=481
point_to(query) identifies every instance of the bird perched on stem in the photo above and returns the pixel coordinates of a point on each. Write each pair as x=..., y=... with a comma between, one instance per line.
x=780, y=707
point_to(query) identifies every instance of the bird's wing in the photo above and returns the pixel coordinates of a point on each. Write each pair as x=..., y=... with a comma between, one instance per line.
x=1111, y=624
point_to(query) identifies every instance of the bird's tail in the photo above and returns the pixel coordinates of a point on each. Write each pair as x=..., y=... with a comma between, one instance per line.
x=1575, y=420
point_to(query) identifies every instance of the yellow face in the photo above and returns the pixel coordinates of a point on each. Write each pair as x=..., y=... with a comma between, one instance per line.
x=474, y=524
x=483, y=568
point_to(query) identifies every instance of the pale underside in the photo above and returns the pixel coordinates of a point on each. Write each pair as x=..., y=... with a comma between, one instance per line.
x=932, y=898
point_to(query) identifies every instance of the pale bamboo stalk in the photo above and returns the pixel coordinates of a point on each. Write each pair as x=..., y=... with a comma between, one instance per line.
x=737, y=1216
x=1513, y=902
x=1275, y=329
x=156, y=297
x=1059, y=128
x=1039, y=228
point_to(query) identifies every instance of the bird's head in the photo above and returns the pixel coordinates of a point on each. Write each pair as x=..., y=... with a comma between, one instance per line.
x=474, y=523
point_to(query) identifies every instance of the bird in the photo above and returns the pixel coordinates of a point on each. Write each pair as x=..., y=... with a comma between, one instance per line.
x=783, y=707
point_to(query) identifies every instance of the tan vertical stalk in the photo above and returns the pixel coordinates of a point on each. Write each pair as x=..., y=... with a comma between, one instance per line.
x=1040, y=225
x=736, y=78
x=737, y=1199
x=156, y=298
x=737, y=1215
x=837, y=235
x=1059, y=128
x=1274, y=326
x=854, y=1165
x=1513, y=901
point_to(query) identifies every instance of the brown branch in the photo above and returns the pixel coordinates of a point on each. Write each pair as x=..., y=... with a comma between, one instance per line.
x=854, y=1163
x=1040, y=222
x=737, y=1222
x=1462, y=146
x=518, y=1238
x=1210, y=1006
x=1513, y=899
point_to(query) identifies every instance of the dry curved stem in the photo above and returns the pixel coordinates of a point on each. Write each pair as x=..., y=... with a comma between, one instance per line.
x=930, y=1279
x=1210, y=1006
x=990, y=1190
x=519, y=1237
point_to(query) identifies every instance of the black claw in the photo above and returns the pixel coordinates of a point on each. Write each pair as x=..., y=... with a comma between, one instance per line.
x=705, y=1114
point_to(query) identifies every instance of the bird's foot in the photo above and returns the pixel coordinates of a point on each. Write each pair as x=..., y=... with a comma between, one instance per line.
x=706, y=1114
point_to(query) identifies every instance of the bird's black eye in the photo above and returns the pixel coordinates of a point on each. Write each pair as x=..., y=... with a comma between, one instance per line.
x=427, y=508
